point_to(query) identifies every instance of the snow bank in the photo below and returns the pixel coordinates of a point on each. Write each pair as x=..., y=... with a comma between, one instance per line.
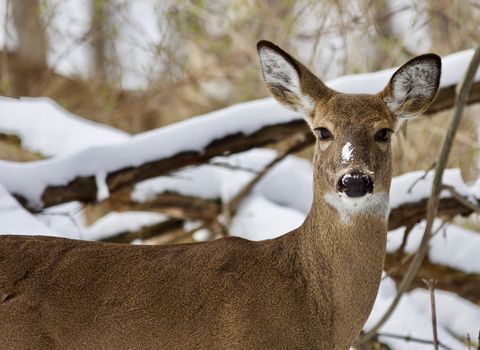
x=44, y=127
x=14, y=219
x=415, y=186
x=455, y=314
x=452, y=246
x=258, y=219
x=31, y=179
x=408, y=319
x=288, y=183
x=114, y=223
x=453, y=69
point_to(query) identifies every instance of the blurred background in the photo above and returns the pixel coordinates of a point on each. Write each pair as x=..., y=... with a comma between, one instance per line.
x=145, y=63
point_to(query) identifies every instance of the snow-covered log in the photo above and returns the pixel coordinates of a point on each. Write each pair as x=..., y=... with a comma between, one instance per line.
x=464, y=284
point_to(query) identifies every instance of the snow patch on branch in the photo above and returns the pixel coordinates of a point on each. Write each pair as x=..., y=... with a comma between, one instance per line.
x=45, y=127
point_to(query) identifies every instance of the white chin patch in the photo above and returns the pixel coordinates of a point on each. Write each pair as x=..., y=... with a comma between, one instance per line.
x=375, y=204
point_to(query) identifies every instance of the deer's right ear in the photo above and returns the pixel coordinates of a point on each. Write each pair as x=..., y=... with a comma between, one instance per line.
x=290, y=82
x=413, y=86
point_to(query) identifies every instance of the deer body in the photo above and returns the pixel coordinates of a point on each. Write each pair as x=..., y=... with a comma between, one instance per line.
x=312, y=288
x=68, y=294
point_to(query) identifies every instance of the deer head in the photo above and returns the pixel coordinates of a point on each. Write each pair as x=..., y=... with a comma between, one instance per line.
x=353, y=131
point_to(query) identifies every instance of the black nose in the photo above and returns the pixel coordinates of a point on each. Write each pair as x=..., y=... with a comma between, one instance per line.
x=355, y=184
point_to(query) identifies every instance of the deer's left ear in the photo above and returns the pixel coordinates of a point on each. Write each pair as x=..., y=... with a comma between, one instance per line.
x=290, y=82
x=413, y=86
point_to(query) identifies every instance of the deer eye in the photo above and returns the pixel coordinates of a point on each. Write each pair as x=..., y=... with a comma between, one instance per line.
x=324, y=134
x=383, y=135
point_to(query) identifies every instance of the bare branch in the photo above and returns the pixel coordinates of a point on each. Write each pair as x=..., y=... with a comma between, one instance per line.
x=295, y=143
x=408, y=338
x=433, y=202
x=147, y=232
x=431, y=287
x=461, y=199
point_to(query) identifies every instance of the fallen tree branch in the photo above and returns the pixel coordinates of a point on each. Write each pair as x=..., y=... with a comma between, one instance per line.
x=409, y=214
x=145, y=232
x=84, y=189
x=461, y=199
x=172, y=204
x=193, y=208
x=433, y=202
x=465, y=285
x=293, y=144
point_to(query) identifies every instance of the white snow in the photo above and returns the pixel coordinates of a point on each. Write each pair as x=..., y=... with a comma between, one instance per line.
x=14, y=219
x=407, y=319
x=45, y=127
x=289, y=183
x=452, y=246
x=453, y=68
x=114, y=223
x=102, y=187
x=415, y=186
x=456, y=315
x=258, y=219
x=68, y=219
x=30, y=179
x=199, y=182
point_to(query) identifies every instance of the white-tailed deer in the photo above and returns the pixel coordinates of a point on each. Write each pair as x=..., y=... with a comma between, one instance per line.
x=312, y=288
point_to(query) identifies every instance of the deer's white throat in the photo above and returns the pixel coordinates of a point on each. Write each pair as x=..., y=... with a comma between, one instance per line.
x=375, y=204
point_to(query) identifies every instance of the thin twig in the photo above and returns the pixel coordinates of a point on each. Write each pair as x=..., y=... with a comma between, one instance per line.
x=294, y=144
x=463, y=90
x=469, y=342
x=431, y=287
x=230, y=166
x=421, y=177
x=408, y=338
x=464, y=201
x=406, y=234
x=409, y=257
x=478, y=341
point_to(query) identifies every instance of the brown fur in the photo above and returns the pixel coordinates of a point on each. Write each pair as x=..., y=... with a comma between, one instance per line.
x=312, y=288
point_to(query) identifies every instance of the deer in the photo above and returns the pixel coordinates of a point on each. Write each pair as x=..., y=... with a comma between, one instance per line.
x=311, y=288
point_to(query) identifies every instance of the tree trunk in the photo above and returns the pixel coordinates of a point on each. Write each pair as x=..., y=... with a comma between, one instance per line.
x=30, y=63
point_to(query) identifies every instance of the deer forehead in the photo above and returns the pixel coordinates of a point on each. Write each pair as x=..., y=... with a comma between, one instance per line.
x=354, y=111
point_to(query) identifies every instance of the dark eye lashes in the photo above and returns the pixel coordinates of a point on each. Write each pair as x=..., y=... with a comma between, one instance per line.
x=383, y=135
x=324, y=134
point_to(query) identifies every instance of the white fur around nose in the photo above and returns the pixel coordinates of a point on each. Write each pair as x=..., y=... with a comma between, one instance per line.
x=347, y=153
x=278, y=71
x=375, y=204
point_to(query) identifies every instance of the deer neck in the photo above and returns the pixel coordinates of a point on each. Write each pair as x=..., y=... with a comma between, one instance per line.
x=342, y=253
